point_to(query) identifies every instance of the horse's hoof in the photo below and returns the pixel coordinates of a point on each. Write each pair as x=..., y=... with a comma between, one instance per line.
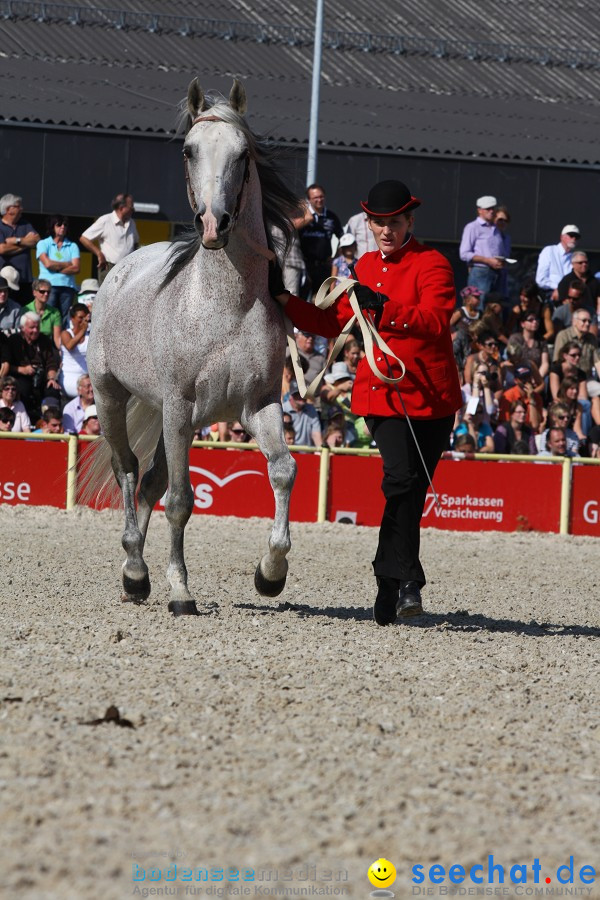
x=183, y=608
x=265, y=587
x=137, y=587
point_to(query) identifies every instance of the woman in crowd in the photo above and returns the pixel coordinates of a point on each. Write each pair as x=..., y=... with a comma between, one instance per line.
x=74, y=340
x=468, y=313
x=534, y=350
x=488, y=356
x=568, y=394
x=530, y=301
x=59, y=263
x=409, y=291
x=491, y=319
x=9, y=398
x=515, y=431
x=478, y=426
x=562, y=415
x=352, y=355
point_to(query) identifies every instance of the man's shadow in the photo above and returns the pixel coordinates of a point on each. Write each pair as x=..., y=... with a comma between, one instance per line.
x=460, y=620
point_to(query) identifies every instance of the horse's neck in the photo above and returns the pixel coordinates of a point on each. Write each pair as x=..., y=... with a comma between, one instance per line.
x=249, y=236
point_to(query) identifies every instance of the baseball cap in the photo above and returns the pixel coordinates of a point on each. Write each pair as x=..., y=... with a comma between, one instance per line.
x=522, y=372
x=347, y=240
x=571, y=229
x=90, y=413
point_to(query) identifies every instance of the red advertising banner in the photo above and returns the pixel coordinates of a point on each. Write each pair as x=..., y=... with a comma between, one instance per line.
x=474, y=496
x=33, y=472
x=236, y=483
x=585, y=500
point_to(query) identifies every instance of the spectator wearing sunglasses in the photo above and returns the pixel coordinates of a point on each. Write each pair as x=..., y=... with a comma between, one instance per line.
x=488, y=355
x=555, y=261
x=581, y=272
x=561, y=415
x=533, y=350
x=50, y=318
x=562, y=317
x=530, y=301
x=579, y=331
x=9, y=399
x=58, y=257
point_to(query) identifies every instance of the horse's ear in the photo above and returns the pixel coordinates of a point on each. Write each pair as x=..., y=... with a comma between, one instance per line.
x=195, y=99
x=237, y=97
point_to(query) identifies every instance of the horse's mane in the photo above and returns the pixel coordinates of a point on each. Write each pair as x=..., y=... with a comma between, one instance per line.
x=279, y=203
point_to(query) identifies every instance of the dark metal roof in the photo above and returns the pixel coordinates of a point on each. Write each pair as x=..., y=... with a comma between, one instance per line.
x=450, y=77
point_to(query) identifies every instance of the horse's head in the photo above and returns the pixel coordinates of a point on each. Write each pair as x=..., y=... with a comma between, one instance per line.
x=217, y=160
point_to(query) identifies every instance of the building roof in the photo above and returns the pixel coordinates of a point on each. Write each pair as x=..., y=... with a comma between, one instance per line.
x=467, y=78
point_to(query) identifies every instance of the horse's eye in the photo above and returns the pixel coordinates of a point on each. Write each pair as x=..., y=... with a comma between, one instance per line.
x=187, y=152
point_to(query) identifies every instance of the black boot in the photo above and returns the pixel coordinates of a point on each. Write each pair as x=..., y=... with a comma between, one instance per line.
x=409, y=603
x=384, y=611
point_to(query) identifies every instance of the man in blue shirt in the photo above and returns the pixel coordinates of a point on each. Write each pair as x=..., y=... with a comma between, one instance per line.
x=482, y=248
x=17, y=239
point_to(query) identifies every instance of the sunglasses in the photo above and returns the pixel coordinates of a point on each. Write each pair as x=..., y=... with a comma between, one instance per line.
x=562, y=416
x=498, y=219
x=490, y=344
x=238, y=431
x=10, y=388
x=38, y=291
x=574, y=355
x=572, y=234
x=585, y=321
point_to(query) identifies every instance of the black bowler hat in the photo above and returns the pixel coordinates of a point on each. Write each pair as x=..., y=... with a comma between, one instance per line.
x=389, y=198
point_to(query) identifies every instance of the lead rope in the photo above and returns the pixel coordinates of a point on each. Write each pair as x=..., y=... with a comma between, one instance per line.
x=371, y=338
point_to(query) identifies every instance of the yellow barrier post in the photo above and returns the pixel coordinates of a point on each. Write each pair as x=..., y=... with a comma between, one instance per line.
x=565, y=497
x=72, y=472
x=323, y=484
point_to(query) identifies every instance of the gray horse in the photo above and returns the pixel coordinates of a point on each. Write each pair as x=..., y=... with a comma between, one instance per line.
x=185, y=334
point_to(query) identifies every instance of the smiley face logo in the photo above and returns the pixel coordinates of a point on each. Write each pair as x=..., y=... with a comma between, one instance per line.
x=382, y=873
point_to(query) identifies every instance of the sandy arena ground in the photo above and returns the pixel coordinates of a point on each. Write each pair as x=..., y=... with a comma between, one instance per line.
x=292, y=733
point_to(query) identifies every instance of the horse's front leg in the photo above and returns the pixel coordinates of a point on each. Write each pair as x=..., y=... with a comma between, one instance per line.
x=266, y=426
x=179, y=503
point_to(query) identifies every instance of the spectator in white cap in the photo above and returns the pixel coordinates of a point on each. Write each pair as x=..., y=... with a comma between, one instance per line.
x=13, y=278
x=482, y=248
x=87, y=292
x=358, y=228
x=91, y=425
x=345, y=258
x=555, y=261
x=10, y=310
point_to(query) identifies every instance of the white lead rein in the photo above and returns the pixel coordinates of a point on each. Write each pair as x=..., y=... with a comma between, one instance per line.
x=371, y=338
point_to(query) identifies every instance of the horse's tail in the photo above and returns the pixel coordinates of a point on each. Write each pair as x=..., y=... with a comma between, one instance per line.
x=97, y=485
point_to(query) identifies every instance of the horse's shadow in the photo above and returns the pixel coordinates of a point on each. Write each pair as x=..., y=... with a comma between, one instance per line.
x=460, y=620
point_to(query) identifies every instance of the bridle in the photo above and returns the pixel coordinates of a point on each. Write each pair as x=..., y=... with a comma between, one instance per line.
x=245, y=180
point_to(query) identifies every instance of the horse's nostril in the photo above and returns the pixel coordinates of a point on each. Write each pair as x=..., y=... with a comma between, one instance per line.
x=198, y=224
x=224, y=223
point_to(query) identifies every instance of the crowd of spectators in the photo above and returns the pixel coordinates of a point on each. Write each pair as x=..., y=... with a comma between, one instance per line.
x=529, y=366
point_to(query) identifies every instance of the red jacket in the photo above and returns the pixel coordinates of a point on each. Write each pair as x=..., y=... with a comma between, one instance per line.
x=415, y=323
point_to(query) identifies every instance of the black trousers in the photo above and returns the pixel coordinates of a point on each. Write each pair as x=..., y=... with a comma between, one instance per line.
x=404, y=487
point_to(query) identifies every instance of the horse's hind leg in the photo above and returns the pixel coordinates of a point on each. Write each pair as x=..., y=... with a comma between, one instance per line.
x=112, y=410
x=179, y=503
x=267, y=427
x=152, y=487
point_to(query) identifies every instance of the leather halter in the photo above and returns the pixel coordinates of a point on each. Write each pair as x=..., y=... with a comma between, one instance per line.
x=245, y=180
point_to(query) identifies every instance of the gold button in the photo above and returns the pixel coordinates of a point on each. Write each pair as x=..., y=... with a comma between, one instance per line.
x=374, y=388
x=384, y=269
x=393, y=323
x=379, y=284
x=406, y=324
x=379, y=358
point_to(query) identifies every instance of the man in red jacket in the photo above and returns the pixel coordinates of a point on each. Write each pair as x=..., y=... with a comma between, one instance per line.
x=409, y=288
